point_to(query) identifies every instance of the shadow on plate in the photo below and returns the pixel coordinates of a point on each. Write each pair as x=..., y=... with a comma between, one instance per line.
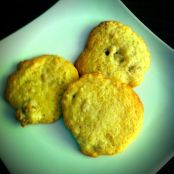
x=8, y=111
x=83, y=37
x=60, y=136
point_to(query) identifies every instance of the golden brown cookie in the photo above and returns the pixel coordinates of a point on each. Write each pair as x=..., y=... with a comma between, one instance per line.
x=116, y=51
x=103, y=115
x=35, y=90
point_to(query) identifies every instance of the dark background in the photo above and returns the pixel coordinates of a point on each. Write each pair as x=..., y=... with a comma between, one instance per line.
x=157, y=16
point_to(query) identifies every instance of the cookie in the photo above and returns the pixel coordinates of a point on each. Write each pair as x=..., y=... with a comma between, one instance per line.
x=116, y=51
x=35, y=90
x=103, y=115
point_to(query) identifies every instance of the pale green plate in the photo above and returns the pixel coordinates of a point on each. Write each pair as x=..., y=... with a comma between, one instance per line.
x=44, y=149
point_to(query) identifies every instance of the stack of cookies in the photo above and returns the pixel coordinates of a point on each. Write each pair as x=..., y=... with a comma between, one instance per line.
x=100, y=108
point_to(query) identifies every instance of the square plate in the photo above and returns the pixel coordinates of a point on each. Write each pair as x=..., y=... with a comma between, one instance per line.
x=63, y=30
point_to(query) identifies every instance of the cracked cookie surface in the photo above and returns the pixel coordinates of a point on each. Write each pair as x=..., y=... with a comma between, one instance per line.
x=35, y=89
x=116, y=51
x=103, y=115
